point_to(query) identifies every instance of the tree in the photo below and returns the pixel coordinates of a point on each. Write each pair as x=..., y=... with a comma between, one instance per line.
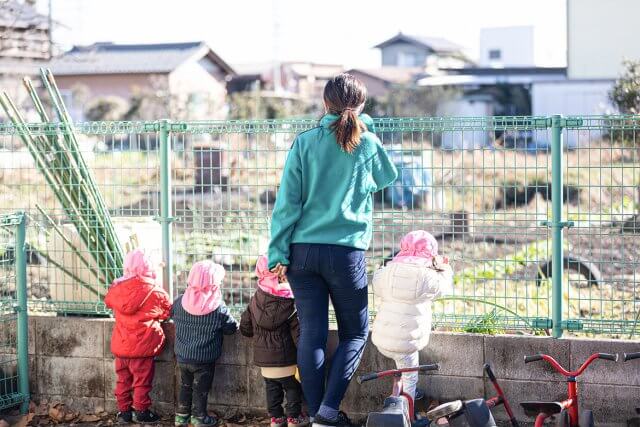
x=107, y=108
x=626, y=91
x=626, y=96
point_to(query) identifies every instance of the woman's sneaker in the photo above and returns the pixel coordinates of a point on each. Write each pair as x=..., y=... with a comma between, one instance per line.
x=145, y=417
x=206, y=421
x=124, y=417
x=299, y=421
x=278, y=422
x=182, y=420
x=341, y=421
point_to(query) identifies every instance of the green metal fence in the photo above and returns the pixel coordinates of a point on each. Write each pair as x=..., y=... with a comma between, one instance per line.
x=14, y=359
x=524, y=258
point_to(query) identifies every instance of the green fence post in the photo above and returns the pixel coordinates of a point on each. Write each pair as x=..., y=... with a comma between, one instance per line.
x=23, y=321
x=557, y=255
x=165, y=205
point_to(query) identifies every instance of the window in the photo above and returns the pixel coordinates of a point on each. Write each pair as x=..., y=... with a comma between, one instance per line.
x=495, y=54
x=407, y=59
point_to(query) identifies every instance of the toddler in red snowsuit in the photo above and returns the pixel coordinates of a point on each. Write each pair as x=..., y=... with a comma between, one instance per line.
x=139, y=305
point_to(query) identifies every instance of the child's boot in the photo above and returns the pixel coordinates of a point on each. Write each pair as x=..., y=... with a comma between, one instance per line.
x=206, y=421
x=145, y=417
x=182, y=420
x=124, y=417
x=299, y=421
x=278, y=422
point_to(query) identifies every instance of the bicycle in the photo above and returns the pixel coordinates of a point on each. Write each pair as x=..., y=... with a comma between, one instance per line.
x=397, y=409
x=476, y=412
x=569, y=413
x=632, y=356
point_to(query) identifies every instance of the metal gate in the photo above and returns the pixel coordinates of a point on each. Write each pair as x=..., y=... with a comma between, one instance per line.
x=14, y=358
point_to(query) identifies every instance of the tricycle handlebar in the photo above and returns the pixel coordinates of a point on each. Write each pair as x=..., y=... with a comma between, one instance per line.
x=392, y=372
x=533, y=358
x=631, y=356
x=608, y=356
x=563, y=371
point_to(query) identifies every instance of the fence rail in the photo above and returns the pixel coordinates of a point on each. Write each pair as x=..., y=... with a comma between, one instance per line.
x=538, y=214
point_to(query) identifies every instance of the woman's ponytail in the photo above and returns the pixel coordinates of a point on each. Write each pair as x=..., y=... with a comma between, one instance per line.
x=347, y=129
x=344, y=96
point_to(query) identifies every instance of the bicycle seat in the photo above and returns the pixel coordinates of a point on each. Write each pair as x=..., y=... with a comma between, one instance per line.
x=549, y=408
x=444, y=410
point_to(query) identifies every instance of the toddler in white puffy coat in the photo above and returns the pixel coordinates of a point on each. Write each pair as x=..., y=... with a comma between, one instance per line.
x=404, y=290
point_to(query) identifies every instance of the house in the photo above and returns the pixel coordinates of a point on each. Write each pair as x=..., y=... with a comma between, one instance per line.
x=297, y=79
x=607, y=31
x=403, y=50
x=24, y=47
x=189, y=79
x=379, y=80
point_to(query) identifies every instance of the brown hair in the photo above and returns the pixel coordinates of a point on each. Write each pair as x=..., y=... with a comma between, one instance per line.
x=344, y=96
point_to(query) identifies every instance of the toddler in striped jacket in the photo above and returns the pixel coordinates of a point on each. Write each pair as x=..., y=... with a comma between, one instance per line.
x=201, y=318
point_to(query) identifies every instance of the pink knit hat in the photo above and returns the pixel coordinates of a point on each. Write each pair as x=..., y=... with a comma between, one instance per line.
x=203, y=293
x=417, y=246
x=139, y=263
x=268, y=281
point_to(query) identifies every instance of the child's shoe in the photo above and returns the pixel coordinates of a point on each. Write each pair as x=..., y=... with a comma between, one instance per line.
x=206, y=421
x=145, y=417
x=278, y=422
x=299, y=421
x=182, y=420
x=124, y=417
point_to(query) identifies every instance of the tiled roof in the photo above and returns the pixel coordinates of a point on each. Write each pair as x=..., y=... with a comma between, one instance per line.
x=437, y=44
x=110, y=58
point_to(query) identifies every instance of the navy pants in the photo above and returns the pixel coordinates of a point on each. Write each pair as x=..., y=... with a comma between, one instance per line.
x=319, y=273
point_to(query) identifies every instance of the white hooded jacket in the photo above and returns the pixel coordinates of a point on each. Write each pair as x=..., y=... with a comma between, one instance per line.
x=404, y=292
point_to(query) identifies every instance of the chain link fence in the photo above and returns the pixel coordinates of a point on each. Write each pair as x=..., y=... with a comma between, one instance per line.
x=505, y=196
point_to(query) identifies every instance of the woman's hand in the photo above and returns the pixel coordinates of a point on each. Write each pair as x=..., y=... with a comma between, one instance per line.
x=280, y=270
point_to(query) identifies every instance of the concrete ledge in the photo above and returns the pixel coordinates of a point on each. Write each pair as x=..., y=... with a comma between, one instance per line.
x=72, y=363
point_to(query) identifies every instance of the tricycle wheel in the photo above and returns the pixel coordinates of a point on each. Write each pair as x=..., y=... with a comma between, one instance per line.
x=563, y=419
x=586, y=418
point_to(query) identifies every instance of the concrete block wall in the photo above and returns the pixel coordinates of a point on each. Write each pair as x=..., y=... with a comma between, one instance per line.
x=71, y=363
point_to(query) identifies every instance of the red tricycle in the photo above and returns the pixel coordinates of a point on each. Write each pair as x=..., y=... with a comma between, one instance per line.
x=475, y=412
x=568, y=410
x=397, y=409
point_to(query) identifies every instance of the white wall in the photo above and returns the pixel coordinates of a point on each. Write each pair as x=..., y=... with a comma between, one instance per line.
x=516, y=45
x=600, y=34
x=578, y=97
x=571, y=98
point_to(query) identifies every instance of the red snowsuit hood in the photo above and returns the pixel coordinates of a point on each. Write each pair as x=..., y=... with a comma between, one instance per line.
x=139, y=306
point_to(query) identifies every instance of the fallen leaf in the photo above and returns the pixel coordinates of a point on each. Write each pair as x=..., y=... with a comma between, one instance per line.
x=233, y=425
x=21, y=421
x=89, y=418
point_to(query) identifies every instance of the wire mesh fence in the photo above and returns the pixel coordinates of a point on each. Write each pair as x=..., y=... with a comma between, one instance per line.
x=13, y=322
x=483, y=186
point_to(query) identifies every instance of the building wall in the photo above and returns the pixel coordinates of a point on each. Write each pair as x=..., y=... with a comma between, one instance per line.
x=121, y=85
x=70, y=362
x=516, y=45
x=600, y=35
x=577, y=97
x=201, y=88
x=392, y=54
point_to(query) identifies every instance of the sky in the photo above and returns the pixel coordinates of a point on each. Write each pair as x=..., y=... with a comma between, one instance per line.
x=332, y=31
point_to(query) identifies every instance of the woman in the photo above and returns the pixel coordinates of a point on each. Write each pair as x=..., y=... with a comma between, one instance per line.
x=320, y=229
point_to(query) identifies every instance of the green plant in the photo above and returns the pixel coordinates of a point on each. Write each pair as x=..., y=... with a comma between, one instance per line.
x=487, y=324
x=626, y=91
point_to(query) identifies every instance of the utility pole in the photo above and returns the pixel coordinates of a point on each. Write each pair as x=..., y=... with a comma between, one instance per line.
x=50, y=29
x=277, y=80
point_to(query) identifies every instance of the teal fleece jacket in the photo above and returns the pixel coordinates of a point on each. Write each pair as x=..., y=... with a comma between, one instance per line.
x=325, y=193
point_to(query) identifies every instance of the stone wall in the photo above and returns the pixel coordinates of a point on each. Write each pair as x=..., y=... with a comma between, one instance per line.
x=71, y=363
